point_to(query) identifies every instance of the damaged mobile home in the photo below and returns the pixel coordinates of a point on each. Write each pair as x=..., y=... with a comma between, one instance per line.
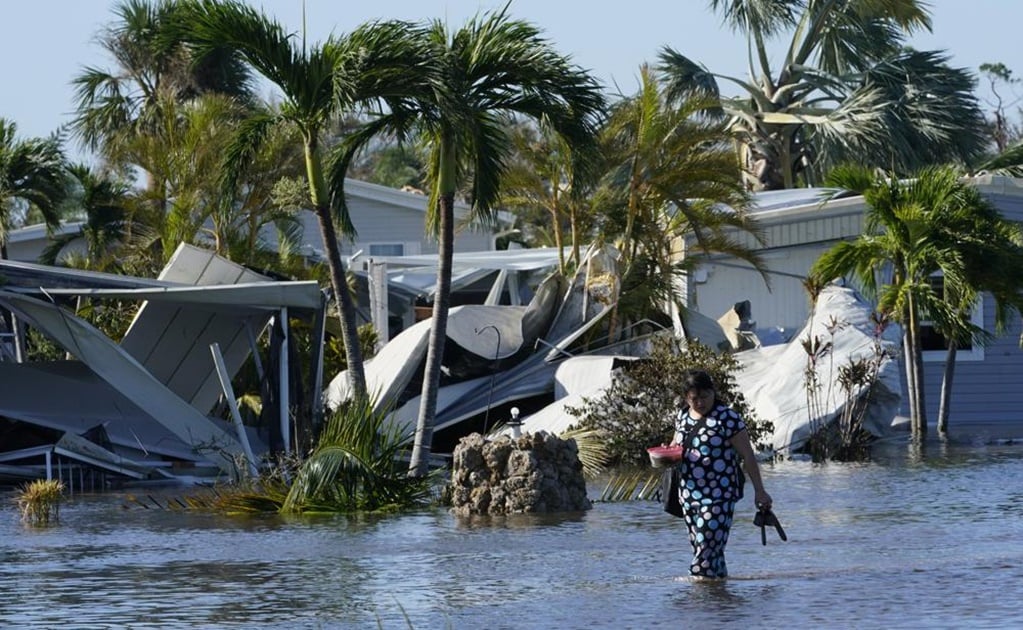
x=143, y=408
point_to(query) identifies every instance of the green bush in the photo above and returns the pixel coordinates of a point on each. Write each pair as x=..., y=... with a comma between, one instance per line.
x=638, y=410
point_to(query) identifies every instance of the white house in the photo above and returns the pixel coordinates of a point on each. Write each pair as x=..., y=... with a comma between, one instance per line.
x=392, y=222
x=987, y=396
x=388, y=222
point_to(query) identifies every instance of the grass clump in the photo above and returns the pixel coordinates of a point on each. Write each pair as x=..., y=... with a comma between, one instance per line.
x=39, y=501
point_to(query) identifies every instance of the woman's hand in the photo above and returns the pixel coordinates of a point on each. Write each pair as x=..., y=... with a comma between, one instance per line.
x=763, y=500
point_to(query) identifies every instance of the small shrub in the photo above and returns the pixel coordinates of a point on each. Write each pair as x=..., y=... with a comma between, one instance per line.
x=638, y=410
x=841, y=437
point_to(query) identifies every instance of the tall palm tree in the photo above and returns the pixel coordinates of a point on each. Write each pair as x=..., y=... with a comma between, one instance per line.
x=318, y=84
x=845, y=90
x=479, y=80
x=151, y=68
x=670, y=176
x=32, y=176
x=915, y=229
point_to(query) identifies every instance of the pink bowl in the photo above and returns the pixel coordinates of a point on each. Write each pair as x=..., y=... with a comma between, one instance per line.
x=661, y=456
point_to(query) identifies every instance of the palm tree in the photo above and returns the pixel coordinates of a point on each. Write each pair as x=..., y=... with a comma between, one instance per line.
x=32, y=177
x=318, y=84
x=915, y=229
x=990, y=253
x=670, y=176
x=32, y=180
x=846, y=90
x=479, y=81
x=549, y=188
x=102, y=203
x=152, y=68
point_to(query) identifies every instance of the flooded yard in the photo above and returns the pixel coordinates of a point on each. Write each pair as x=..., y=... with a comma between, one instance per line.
x=913, y=539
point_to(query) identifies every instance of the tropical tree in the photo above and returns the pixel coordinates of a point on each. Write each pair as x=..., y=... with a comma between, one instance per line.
x=549, y=187
x=151, y=69
x=990, y=252
x=185, y=151
x=1003, y=131
x=102, y=204
x=914, y=229
x=670, y=178
x=846, y=89
x=318, y=84
x=478, y=80
x=32, y=176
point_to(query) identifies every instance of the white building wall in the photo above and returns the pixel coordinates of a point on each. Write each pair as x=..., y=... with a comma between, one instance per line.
x=783, y=304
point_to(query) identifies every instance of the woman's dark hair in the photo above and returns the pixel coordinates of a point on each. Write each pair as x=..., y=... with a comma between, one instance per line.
x=697, y=380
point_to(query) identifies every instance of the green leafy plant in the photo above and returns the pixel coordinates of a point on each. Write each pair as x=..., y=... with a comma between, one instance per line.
x=358, y=465
x=638, y=409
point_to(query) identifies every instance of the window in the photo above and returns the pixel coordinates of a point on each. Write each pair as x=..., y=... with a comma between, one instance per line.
x=933, y=343
x=387, y=249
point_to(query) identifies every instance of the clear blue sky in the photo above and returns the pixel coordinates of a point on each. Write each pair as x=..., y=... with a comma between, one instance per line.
x=45, y=43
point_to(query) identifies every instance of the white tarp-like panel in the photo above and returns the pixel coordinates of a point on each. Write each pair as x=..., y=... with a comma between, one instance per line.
x=576, y=379
x=491, y=332
x=128, y=376
x=390, y=371
x=534, y=377
x=407, y=415
x=488, y=332
x=773, y=382
x=510, y=259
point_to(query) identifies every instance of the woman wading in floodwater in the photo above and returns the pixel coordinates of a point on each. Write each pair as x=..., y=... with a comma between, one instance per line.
x=713, y=438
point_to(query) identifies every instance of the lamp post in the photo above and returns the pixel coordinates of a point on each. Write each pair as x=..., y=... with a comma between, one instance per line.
x=493, y=373
x=515, y=424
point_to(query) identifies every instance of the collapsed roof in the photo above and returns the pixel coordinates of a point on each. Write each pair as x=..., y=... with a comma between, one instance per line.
x=152, y=392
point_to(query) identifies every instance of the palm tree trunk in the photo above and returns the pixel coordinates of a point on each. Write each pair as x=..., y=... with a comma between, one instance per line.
x=944, y=406
x=914, y=362
x=419, y=463
x=911, y=385
x=559, y=239
x=346, y=308
x=576, y=256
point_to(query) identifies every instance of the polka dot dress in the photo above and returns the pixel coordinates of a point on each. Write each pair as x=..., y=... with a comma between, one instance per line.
x=710, y=488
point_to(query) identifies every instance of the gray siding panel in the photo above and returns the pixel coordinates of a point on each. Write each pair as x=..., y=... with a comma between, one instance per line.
x=379, y=222
x=983, y=392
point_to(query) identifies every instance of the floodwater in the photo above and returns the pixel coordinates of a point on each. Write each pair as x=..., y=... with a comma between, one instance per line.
x=930, y=539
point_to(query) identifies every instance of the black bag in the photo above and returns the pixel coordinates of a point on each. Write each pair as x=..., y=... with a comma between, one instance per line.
x=765, y=518
x=669, y=491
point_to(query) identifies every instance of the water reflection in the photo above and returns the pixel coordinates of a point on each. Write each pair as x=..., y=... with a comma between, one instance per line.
x=882, y=543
